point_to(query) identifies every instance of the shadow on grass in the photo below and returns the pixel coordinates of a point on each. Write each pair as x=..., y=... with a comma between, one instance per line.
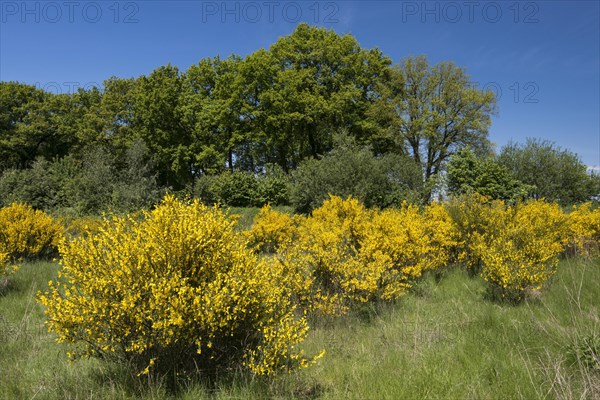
x=9, y=285
x=228, y=383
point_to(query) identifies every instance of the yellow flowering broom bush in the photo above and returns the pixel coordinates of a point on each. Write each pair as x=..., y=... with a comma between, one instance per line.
x=27, y=233
x=323, y=260
x=345, y=253
x=584, y=230
x=443, y=235
x=473, y=215
x=75, y=227
x=272, y=229
x=177, y=290
x=520, y=251
x=392, y=250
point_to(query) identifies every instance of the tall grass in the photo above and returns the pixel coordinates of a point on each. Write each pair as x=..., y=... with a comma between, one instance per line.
x=444, y=340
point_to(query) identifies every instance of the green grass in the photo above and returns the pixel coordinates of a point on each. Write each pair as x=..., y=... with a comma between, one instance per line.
x=444, y=340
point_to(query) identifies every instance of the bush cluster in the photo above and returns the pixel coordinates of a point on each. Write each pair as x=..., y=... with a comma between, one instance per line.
x=25, y=233
x=244, y=189
x=86, y=185
x=584, y=230
x=345, y=253
x=516, y=247
x=272, y=229
x=352, y=170
x=179, y=289
x=520, y=253
x=28, y=233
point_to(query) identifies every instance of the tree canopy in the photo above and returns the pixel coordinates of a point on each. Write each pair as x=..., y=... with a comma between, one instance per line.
x=281, y=106
x=432, y=111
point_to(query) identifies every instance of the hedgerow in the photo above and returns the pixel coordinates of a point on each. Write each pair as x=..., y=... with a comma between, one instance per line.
x=179, y=289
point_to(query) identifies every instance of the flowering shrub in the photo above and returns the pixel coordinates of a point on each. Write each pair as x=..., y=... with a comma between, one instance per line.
x=177, y=290
x=443, y=235
x=520, y=252
x=397, y=248
x=324, y=258
x=25, y=232
x=75, y=227
x=272, y=229
x=474, y=215
x=584, y=230
x=345, y=253
x=515, y=248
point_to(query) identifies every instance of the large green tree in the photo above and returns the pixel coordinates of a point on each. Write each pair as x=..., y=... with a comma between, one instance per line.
x=214, y=108
x=318, y=82
x=157, y=119
x=430, y=112
x=33, y=123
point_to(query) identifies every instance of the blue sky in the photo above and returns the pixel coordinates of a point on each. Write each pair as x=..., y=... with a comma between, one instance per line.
x=542, y=58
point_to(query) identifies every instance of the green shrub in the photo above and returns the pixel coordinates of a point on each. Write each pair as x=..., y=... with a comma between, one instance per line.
x=91, y=183
x=352, y=170
x=244, y=189
x=468, y=173
x=36, y=186
x=273, y=187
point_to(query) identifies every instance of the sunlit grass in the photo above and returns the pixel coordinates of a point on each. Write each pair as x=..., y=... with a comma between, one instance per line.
x=444, y=340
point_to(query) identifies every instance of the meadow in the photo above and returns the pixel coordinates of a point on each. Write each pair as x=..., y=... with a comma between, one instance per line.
x=395, y=255
x=444, y=339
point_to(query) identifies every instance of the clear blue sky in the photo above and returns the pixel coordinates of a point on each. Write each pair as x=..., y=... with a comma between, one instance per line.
x=541, y=57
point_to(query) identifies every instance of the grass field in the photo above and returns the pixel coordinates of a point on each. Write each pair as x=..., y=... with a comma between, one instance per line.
x=443, y=340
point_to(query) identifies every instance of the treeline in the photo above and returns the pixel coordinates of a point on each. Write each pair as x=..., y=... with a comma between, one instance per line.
x=246, y=130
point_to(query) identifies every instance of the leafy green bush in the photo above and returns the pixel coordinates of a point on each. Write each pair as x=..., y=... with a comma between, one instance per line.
x=352, y=170
x=556, y=174
x=468, y=173
x=273, y=187
x=93, y=182
x=244, y=189
x=36, y=186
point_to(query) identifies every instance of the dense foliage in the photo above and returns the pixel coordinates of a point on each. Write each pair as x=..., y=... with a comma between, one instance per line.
x=28, y=233
x=89, y=184
x=279, y=106
x=467, y=173
x=555, y=174
x=25, y=233
x=245, y=189
x=352, y=170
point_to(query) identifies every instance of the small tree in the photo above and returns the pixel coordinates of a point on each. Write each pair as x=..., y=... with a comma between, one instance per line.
x=352, y=170
x=468, y=173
